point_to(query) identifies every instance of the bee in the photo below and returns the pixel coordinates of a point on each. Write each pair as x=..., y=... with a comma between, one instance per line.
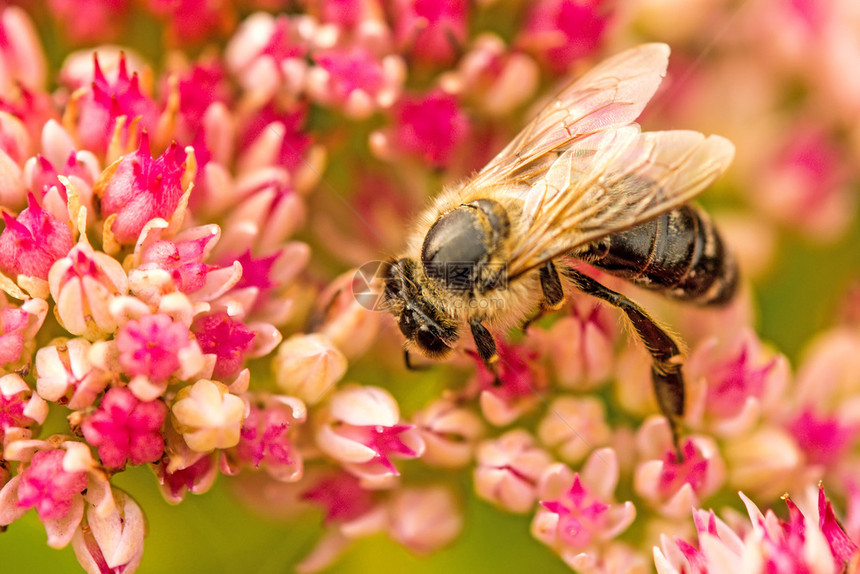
x=581, y=182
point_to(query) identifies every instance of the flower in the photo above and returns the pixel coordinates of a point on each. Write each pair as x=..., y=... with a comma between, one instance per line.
x=562, y=31
x=732, y=386
x=450, y=433
x=208, y=416
x=126, y=429
x=675, y=481
x=83, y=283
x=341, y=496
x=508, y=470
x=138, y=187
x=114, y=541
x=308, y=366
x=574, y=427
x=226, y=338
x=431, y=31
x=151, y=346
x=430, y=127
x=361, y=428
x=265, y=439
x=516, y=390
x=66, y=373
x=20, y=408
x=804, y=542
x=18, y=327
x=33, y=241
x=355, y=80
x=576, y=514
x=424, y=519
x=112, y=106
x=47, y=487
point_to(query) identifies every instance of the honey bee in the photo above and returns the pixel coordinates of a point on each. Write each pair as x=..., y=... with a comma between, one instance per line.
x=580, y=182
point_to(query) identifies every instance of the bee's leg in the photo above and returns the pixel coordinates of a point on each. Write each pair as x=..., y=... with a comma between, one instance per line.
x=486, y=347
x=410, y=365
x=666, y=367
x=553, y=293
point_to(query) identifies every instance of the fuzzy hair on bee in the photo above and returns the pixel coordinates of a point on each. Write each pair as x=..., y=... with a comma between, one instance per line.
x=581, y=182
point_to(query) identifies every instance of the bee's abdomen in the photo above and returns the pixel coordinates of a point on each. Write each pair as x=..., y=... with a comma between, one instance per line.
x=678, y=252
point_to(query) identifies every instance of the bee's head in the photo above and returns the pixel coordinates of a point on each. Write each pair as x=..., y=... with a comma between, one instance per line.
x=423, y=324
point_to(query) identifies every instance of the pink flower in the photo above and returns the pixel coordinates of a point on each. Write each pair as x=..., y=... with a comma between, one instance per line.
x=362, y=430
x=126, y=429
x=560, y=32
x=105, y=102
x=196, y=478
x=348, y=324
x=577, y=514
x=18, y=328
x=823, y=439
x=226, y=338
x=574, y=426
x=432, y=31
x=806, y=184
x=268, y=53
x=138, y=188
x=827, y=377
x=21, y=58
x=20, y=407
x=496, y=79
x=450, y=433
x=47, y=487
x=425, y=519
x=355, y=80
x=508, y=470
x=208, y=416
x=843, y=548
x=265, y=281
x=581, y=346
x=111, y=542
x=182, y=257
x=734, y=384
x=83, y=284
x=799, y=544
x=191, y=21
x=270, y=210
x=670, y=484
x=352, y=512
x=33, y=241
x=199, y=88
x=65, y=372
x=430, y=127
x=41, y=175
x=340, y=496
x=266, y=437
x=766, y=462
x=518, y=389
x=308, y=366
x=150, y=347
x=292, y=145
x=91, y=21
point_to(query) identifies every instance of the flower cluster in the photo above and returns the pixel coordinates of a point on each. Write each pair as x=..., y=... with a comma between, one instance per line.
x=170, y=298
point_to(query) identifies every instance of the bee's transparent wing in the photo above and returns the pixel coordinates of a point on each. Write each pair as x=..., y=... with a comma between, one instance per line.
x=608, y=181
x=611, y=95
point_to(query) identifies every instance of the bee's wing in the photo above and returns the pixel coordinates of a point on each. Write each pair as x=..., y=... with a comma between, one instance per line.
x=611, y=95
x=608, y=181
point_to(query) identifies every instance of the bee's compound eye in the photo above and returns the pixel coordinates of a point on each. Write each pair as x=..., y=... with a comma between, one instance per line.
x=428, y=342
